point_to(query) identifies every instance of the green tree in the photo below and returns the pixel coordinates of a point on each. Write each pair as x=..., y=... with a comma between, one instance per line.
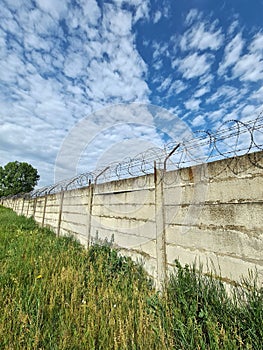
x=17, y=177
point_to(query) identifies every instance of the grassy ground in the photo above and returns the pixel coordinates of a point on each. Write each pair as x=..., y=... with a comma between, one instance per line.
x=56, y=295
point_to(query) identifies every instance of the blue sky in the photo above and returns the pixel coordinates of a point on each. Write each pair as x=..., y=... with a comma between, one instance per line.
x=62, y=61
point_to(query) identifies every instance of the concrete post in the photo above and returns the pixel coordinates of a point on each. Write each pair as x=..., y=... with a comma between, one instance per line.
x=44, y=211
x=60, y=212
x=89, y=214
x=17, y=205
x=35, y=206
x=22, y=209
x=160, y=229
x=28, y=204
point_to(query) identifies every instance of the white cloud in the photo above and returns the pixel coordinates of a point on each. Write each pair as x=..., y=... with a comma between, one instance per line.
x=177, y=87
x=206, y=79
x=227, y=95
x=193, y=65
x=160, y=52
x=171, y=87
x=257, y=43
x=55, y=8
x=234, y=25
x=160, y=49
x=249, y=68
x=33, y=41
x=74, y=65
x=119, y=23
x=198, y=121
x=232, y=53
x=258, y=95
x=248, y=112
x=158, y=64
x=56, y=75
x=193, y=104
x=216, y=116
x=192, y=16
x=157, y=17
x=201, y=35
x=202, y=91
x=91, y=11
x=140, y=8
x=165, y=84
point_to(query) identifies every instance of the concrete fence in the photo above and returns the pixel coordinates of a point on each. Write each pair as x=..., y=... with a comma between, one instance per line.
x=210, y=213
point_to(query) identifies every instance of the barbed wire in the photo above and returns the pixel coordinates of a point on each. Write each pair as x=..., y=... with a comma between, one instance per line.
x=233, y=138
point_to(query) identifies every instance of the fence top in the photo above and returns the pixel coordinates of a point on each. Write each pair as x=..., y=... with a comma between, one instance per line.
x=232, y=139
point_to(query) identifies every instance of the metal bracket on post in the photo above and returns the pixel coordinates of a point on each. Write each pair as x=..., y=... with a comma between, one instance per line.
x=169, y=155
x=103, y=171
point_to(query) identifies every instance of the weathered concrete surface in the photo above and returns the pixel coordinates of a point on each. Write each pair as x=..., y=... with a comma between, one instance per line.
x=211, y=214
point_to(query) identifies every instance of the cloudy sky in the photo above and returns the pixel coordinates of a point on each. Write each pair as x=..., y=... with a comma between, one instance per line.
x=65, y=61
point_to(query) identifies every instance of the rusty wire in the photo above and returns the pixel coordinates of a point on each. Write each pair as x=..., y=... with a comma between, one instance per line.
x=232, y=139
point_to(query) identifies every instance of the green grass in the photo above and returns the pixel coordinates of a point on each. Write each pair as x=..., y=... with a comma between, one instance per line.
x=54, y=294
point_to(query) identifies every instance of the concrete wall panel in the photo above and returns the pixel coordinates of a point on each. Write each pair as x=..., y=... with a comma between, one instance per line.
x=212, y=213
